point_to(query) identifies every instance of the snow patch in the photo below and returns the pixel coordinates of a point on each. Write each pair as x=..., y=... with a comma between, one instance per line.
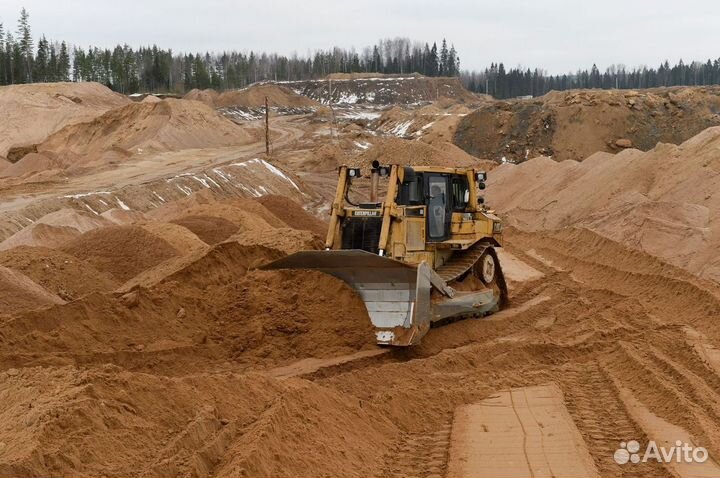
x=122, y=205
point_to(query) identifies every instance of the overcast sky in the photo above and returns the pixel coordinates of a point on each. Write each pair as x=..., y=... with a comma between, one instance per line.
x=558, y=35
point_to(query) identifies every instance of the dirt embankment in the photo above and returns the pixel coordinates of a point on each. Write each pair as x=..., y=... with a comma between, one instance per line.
x=663, y=202
x=385, y=90
x=435, y=123
x=33, y=112
x=132, y=131
x=278, y=96
x=575, y=124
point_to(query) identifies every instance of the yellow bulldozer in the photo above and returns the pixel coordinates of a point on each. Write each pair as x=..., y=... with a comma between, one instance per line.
x=423, y=255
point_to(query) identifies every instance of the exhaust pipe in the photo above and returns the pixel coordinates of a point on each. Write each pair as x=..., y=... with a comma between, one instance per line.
x=374, y=181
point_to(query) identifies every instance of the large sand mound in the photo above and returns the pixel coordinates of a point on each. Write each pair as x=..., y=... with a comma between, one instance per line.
x=575, y=124
x=204, y=96
x=417, y=153
x=138, y=129
x=33, y=112
x=55, y=229
x=254, y=96
x=120, y=251
x=663, y=202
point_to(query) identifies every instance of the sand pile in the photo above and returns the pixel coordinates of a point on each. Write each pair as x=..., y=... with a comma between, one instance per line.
x=304, y=436
x=662, y=202
x=283, y=314
x=210, y=229
x=232, y=214
x=59, y=273
x=326, y=157
x=18, y=292
x=284, y=239
x=226, y=423
x=208, y=96
x=254, y=96
x=212, y=304
x=33, y=112
x=120, y=251
x=177, y=236
x=140, y=128
x=55, y=229
x=417, y=153
x=292, y=214
x=575, y=124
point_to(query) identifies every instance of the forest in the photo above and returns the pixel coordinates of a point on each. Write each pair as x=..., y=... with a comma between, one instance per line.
x=154, y=69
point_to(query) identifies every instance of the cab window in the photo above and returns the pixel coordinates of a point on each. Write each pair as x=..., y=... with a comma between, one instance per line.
x=460, y=192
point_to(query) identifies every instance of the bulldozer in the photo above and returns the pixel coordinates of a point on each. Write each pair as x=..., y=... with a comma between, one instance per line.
x=422, y=256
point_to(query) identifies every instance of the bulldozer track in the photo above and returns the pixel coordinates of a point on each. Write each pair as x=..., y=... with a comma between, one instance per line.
x=461, y=262
x=420, y=454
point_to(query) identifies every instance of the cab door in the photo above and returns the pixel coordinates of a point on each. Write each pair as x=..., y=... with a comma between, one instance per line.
x=438, y=208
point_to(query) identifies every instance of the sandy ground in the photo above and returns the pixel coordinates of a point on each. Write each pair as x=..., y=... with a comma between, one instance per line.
x=138, y=338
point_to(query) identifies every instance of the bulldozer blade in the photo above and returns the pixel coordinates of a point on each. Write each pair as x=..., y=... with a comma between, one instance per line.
x=396, y=294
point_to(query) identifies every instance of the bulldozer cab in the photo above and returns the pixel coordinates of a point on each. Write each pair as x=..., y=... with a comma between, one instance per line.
x=442, y=194
x=405, y=255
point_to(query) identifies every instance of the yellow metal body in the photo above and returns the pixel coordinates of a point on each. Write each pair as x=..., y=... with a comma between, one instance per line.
x=403, y=233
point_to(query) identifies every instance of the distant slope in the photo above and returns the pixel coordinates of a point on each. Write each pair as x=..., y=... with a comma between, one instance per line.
x=384, y=90
x=31, y=113
x=135, y=129
x=252, y=97
x=663, y=202
x=575, y=124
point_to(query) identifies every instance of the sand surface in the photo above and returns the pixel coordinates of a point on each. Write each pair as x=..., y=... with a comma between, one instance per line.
x=138, y=336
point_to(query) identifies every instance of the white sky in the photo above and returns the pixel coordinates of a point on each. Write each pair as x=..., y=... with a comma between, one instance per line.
x=558, y=35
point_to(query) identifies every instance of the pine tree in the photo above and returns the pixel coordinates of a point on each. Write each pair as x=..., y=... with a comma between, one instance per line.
x=26, y=45
x=63, y=64
x=452, y=67
x=53, y=74
x=78, y=59
x=9, y=60
x=41, y=61
x=444, y=59
x=433, y=61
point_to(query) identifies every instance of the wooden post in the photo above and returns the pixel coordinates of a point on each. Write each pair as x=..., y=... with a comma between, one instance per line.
x=267, y=128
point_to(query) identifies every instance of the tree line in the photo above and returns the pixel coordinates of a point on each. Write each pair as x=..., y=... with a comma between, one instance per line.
x=501, y=83
x=153, y=69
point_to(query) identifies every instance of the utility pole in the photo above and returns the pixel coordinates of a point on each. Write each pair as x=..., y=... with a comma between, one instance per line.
x=267, y=128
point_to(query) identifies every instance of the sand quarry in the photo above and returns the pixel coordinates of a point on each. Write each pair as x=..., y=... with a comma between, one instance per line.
x=139, y=339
